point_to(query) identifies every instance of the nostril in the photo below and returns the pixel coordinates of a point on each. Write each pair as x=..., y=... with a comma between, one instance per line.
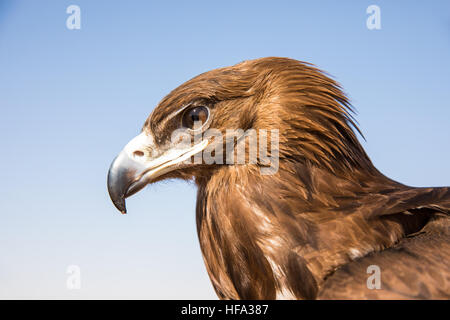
x=138, y=153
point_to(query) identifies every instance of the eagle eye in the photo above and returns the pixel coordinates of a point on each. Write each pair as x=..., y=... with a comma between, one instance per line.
x=195, y=117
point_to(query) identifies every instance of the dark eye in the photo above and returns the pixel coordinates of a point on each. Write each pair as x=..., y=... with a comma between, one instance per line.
x=195, y=117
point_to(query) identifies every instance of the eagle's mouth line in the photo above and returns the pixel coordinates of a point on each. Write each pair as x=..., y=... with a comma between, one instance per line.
x=155, y=171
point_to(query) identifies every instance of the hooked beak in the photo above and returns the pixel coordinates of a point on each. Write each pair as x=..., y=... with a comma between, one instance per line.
x=140, y=162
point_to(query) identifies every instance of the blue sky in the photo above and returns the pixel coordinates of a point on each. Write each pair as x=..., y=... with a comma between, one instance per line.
x=71, y=99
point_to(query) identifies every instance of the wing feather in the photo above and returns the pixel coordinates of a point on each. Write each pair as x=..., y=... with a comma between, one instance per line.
x=418, y=267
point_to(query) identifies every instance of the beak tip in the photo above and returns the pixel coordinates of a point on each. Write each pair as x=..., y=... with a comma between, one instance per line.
x=118, y=182
x=120, y=205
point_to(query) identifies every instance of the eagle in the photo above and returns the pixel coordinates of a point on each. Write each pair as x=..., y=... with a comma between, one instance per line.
x=323, y=224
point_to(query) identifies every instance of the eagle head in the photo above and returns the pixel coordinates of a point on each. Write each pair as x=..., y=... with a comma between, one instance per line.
x=286, y=194
x=285, y=99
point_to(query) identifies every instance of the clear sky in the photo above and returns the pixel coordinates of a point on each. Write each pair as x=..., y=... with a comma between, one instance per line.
x=71, y=99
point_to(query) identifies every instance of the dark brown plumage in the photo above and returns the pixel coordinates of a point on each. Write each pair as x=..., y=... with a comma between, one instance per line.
x=312, y=229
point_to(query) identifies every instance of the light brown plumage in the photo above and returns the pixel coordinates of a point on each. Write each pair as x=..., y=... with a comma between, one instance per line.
x=312, y=229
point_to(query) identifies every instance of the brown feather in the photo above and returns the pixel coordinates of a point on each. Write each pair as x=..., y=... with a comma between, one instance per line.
x=311, y=229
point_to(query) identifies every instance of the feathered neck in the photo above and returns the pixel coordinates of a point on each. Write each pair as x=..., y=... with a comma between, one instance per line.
x=274, y=236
